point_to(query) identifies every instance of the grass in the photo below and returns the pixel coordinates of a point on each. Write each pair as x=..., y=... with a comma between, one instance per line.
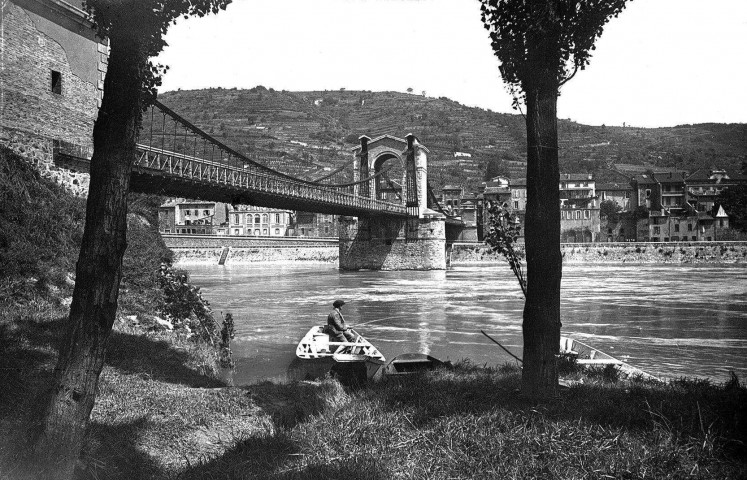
x=162, y=412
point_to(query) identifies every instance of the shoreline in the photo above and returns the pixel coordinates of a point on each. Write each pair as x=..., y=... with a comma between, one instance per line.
x=216, y=250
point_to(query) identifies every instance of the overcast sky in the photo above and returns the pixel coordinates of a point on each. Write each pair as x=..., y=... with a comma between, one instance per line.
x=661, y=63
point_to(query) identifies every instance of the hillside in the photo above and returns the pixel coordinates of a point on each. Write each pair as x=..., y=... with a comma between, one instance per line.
x=301, y=133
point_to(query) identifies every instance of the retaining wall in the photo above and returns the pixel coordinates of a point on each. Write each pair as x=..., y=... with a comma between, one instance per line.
x=639, y=252
x=207, y=249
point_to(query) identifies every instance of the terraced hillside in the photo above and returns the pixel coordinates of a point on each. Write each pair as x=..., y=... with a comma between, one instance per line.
x=311, y=133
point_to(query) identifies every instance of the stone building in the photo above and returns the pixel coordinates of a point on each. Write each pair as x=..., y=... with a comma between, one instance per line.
x=308, y=224
x=619, y=193
x=191, y=217
x=52, y=74
x=248, y=220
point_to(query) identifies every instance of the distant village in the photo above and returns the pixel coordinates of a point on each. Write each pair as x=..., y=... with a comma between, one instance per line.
x=659, y=206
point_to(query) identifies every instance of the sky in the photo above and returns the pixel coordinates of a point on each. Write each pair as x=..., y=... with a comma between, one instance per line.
x=660, y=63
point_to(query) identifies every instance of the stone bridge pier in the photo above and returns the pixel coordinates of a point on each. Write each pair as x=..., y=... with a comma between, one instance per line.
x=415, y=242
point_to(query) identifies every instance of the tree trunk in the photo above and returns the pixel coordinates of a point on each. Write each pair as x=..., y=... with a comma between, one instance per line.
x=59, y=438
x=541, y=327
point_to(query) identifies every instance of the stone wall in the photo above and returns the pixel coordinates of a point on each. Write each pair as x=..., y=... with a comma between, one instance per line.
x=34, y=47
x=38, y=150
x=387, y=244
x=204, y=249
x=641, y=252
x=38, y=41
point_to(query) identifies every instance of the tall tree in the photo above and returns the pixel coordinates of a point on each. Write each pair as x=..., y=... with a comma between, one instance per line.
x=541, y=44
x=135, y=30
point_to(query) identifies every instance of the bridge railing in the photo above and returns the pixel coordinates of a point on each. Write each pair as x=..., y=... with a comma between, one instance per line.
x=172, y=145
x=225, y=173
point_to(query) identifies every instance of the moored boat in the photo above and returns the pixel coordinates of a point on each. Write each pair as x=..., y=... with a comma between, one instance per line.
x=587, y=355
x=408, y=363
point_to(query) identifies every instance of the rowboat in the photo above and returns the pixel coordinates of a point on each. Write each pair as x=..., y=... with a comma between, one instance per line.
x=354, y=362
x=316, y=344
x=408, y=363
x=589, y=356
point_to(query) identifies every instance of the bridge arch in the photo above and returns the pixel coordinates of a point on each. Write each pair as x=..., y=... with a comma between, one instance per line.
x=409, y=160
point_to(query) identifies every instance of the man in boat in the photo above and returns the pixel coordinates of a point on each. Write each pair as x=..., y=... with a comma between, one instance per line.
x=336, y=328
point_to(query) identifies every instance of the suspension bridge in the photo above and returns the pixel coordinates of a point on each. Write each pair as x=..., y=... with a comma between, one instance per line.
x=176, y=158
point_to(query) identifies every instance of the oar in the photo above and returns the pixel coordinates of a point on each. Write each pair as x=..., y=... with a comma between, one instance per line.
x=378, y=320
x=504, y=348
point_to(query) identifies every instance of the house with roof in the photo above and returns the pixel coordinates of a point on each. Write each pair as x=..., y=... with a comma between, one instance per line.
x=704, y=185
x=619, y=193
x=579, y=209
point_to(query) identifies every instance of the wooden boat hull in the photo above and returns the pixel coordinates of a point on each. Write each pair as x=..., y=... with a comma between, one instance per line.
x=587, y=355
x=352, y=362
x=317, y=344
x=410, y=363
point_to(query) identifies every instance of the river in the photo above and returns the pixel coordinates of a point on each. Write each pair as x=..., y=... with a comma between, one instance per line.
x=669, y=320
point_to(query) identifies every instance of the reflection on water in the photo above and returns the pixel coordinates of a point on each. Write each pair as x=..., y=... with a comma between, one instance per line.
x=670, y=320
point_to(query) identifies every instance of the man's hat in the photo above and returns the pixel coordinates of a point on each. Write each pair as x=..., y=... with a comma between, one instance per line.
x=338, y=303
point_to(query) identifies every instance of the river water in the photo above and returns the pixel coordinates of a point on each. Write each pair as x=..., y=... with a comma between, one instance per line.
x=669, y=320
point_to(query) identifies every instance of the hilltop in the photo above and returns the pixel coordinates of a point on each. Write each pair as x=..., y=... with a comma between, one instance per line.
x=302, y=133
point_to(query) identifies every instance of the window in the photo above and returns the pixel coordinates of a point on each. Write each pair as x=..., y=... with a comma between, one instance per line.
x=56, y=85
x=206, y=212
x=648, y=193
x=236, y=231
x=689, y=227
x=694, y=238
x=657, y=230
x=587, y=214
x=256, y=231
x=264, y=218
x=277, y=231
x=676, y=227
x=277, y=218
x=326, y=229
x=516, y=205
x=249, y=231
x=167, y=231
x=256, y=218
x=720, y=222
x=303, y=231
x=264, y=231
x=578, y=214
x=186, y=213
x=187, y=222
x=235, y=219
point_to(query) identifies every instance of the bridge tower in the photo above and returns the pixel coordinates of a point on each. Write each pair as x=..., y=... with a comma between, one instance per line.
x=414, y=242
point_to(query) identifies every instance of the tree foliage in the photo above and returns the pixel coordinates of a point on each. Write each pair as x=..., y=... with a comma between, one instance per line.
x=734, y=201
x=572, y=25
x=610, y=210
x=503, y=234
x=142, y=24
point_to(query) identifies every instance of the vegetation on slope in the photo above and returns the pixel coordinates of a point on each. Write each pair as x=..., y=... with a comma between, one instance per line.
x=263, y=122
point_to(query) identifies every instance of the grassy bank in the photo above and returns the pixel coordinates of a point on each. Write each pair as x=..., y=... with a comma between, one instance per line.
x=161, y=413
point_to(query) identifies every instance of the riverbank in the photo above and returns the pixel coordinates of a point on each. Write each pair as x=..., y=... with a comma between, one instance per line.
x=638, y=252
x=162, y=413
x=215, y=250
